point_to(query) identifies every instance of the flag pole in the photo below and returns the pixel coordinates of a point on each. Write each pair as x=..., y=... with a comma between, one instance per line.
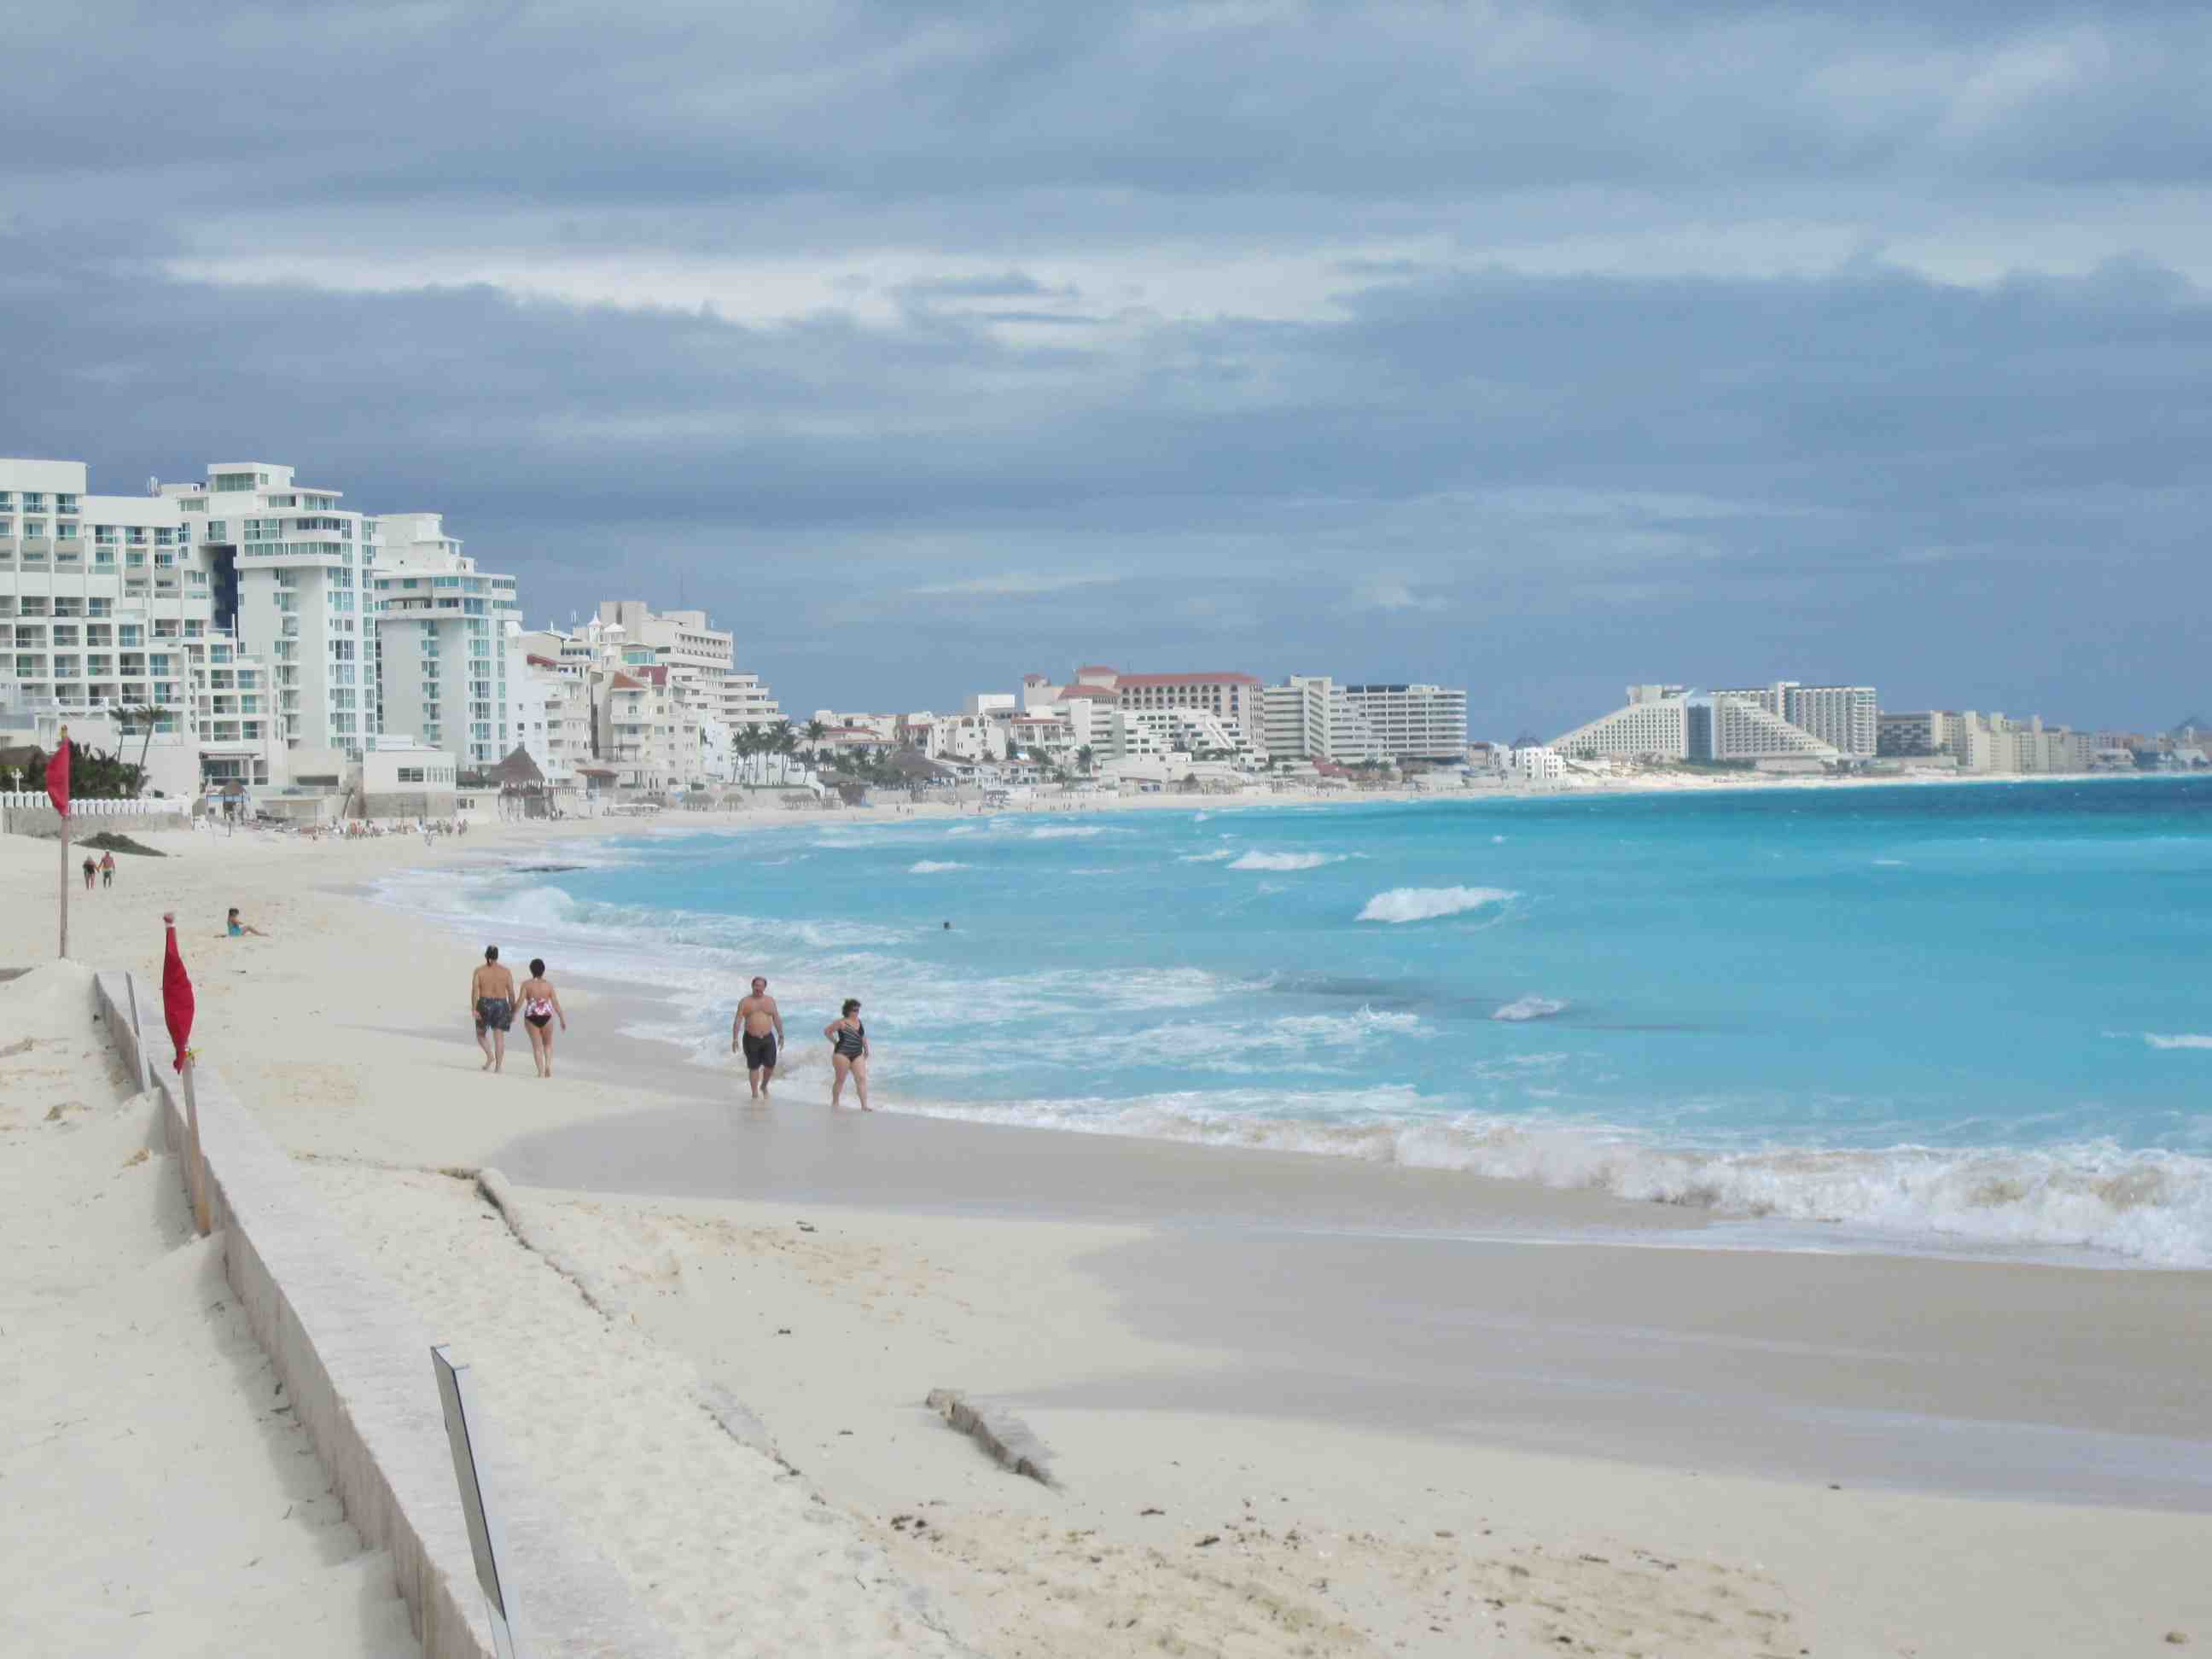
x=192, y=1143
x=65, y=814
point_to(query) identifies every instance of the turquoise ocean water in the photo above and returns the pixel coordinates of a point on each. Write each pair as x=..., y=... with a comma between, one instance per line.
x=1977, y=1012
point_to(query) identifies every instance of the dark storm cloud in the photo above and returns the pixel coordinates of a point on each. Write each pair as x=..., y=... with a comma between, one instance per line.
x=236, y=107
x=1450, y=465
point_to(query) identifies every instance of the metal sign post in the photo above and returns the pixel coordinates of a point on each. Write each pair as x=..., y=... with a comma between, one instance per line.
x=487, y=1542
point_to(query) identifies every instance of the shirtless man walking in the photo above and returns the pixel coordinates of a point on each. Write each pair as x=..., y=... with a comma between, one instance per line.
x=759, y=1025
x=491, y=1001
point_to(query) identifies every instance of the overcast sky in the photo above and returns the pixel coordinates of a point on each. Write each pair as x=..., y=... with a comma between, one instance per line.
x=1532, y=348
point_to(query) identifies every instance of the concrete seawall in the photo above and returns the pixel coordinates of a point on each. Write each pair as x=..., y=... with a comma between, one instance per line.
x=357, y=1366
x=87, y=818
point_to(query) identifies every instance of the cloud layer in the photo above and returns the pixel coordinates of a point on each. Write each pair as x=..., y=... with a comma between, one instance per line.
x=1534, y=348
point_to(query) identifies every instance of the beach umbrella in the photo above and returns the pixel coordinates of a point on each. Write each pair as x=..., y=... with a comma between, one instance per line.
x=177, y=1009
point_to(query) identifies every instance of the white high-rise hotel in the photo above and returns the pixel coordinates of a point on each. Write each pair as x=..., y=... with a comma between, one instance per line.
x=275, y=635
x=109, y=605
x=290, y=567
x=369, y=624
x=448, y=668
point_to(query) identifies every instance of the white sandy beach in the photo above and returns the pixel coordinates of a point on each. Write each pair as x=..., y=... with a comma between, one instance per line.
x=161, y=1499
x=1355, y=1444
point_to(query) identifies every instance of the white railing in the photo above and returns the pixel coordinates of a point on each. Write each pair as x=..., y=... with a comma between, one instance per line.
x=94, y=808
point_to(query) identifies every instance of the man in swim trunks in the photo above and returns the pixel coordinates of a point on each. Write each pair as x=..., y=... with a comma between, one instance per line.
x=759, y=1026
x=492, y=1001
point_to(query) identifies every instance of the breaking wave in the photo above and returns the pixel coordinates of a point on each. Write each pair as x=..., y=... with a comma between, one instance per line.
x=1286, y=861
x=1427, y=903
x=2186, y=1040
x=1531, y=1007
x=933, y=867
x=2151, y=1207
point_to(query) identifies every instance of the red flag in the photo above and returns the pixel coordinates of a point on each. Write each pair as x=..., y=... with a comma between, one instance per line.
x=57, y=775
x=177, y=999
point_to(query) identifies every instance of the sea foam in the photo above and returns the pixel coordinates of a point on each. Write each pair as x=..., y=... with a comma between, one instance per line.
x=1530, y=1007
x=933, y=867
x=1286, y=861
x=2152, y=1207
x=2186, y=1040
x=1427, y=903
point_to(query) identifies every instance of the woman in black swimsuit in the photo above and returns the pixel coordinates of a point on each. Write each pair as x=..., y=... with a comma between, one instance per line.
x=848, y=1054
x=541, y=1007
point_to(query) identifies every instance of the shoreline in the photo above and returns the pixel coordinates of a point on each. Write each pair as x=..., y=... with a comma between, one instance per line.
x=1731, y=1191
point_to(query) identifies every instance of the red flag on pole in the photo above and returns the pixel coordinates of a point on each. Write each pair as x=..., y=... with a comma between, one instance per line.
x=57, y=775
x=177, y=999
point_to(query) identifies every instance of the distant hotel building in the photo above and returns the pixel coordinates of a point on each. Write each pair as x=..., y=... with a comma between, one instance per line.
x=298, y=565
x=1311, y=717
x=1726, y=726
x=645, y=700
x=1845, y=717
x=1413, y=722
x=1781, y=724
x=1232, y=699
x=448, y=670
x=1986, y=743
x=1654, y=725
x=1907, y=735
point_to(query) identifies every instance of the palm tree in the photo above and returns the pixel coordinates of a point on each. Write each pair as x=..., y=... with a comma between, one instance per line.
x=1082, y=759
x=145, y=715
x=96, y=774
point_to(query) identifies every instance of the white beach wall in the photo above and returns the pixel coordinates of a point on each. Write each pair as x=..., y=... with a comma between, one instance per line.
x=357, y=1368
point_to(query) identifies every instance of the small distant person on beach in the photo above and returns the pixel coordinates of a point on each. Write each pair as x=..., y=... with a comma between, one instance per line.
x=491, y=1001
x=541, y=1007
x=758, y=1026
x=90, y=868
x=107, y=869
x=234, y=928
x=848, y=1054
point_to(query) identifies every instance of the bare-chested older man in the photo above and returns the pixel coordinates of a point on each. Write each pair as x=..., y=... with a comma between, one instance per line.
x=492, y=1001
x=759, y=1025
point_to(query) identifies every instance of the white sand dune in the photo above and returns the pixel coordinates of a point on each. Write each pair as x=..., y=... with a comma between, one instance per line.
x=161, y=1499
